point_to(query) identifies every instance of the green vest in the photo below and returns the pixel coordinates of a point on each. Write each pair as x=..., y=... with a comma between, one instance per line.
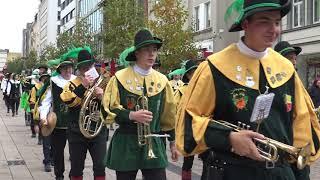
x=124, y=153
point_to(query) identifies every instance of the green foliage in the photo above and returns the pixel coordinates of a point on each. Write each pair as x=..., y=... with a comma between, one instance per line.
x=80, y=37
x=123, y=18
x=15, y=65
x=169, y=25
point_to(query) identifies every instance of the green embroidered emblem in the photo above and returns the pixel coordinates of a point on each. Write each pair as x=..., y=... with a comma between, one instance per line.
x=239, y=98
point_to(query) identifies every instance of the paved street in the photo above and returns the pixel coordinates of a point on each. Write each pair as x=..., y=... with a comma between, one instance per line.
x=21, y=158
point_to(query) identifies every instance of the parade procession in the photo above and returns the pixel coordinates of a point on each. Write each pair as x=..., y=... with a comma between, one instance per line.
x=152, y=99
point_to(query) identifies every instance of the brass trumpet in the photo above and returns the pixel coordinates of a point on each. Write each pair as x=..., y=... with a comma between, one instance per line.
x=143, y=130
x=301, y=155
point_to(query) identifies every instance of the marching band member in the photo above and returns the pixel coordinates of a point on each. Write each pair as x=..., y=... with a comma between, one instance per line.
x=14, y=91
x=190, y=67
x=288, y=51
x=34, y=79
x=73, y=94
x=4, y=88
x=226, y=87
x=52, y=100
x=121, y=101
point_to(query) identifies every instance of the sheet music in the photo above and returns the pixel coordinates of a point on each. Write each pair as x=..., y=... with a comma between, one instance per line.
x=262, y=107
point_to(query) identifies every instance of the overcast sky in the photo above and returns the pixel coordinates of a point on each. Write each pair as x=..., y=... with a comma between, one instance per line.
x=14, y=15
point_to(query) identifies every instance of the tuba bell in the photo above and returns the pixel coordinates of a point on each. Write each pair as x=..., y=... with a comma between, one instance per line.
x=90, y=123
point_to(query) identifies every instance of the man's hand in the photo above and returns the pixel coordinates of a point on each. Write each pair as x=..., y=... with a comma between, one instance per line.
x=141, y=116
x=87, y=81
x=174, y=152
x=98, y=92
x=43, y=122
x=243, y=145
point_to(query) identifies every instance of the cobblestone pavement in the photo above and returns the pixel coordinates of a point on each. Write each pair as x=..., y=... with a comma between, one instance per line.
x=21, y=157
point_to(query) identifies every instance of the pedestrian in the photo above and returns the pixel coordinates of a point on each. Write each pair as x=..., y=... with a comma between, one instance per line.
x=288, y=51
x=315, y=92
x=73, y=96
x=14, y=91
x=52, y=100
x=227, y=86
x=190, y=67
x=140, y=97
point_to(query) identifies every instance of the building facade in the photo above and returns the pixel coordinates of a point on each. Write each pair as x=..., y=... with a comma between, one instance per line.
x=210, y=30
x=301, y=27
x=49, y=22
x=3, y=57
x=67, y=15
x=26, y=40
x=35, y=36
x=92, y=12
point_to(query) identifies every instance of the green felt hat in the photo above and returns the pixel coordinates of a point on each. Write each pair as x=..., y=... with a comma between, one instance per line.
x=246, y=8
x=143, y=38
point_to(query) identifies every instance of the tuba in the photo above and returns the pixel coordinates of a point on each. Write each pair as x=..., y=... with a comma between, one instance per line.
x=143, y=130
x=270, y=151
x=90, y=123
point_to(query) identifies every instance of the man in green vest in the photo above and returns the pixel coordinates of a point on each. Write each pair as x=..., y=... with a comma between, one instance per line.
x=288, y=51
x=226, y=86
x=52, y=100
x=140, y=96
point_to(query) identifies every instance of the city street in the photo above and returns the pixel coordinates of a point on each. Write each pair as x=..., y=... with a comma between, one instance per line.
x=21, y=157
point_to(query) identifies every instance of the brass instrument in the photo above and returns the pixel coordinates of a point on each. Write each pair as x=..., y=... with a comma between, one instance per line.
x=317, y=111
x=143, y=130
x=90, y=123
x=301, y=155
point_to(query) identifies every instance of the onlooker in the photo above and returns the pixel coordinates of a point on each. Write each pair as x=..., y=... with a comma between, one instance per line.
x=315, y=92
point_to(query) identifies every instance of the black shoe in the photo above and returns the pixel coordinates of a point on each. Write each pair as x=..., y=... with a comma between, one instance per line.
x=47, y=168
x=17, y=113
x=33, y=136
x=52, y=163
x=59, y=178
x=13, y=115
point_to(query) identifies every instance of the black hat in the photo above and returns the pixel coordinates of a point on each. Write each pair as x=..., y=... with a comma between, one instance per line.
x=84, y=58
x=284, y=47
x=142, y=39
x=43, y=66
x=190, y=65
x=251, y=7
x=44, y=75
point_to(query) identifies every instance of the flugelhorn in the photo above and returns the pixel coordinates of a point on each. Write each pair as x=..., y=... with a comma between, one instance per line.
x=301, y=155
x=90, y=123
x=143, y=130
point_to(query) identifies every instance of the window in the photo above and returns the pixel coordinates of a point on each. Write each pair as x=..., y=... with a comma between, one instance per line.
x=297, y=13
x=207, y=14
x=59, y=15
x=316, y=11
x=196, y=18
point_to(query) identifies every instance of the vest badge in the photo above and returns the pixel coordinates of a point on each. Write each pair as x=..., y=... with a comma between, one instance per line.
x=288, y=102
x=131, y=102
x=239, y=98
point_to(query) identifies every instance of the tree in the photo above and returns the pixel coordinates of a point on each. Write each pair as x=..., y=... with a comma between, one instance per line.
x=123, y=18
x=80, y=37
x=48, y=53
x=168, y=24
x=15, y=66
x=31, y=61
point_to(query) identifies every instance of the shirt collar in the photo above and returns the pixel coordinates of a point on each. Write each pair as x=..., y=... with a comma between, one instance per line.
x=249, y=52
x=141, y=71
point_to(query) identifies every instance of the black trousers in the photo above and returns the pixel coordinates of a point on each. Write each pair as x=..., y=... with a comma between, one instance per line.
x=32, y=123
x=14, y=104
x=58, y=143
x=187, y=163
x=148, y=174
x=78, y=147
x=46, y=147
